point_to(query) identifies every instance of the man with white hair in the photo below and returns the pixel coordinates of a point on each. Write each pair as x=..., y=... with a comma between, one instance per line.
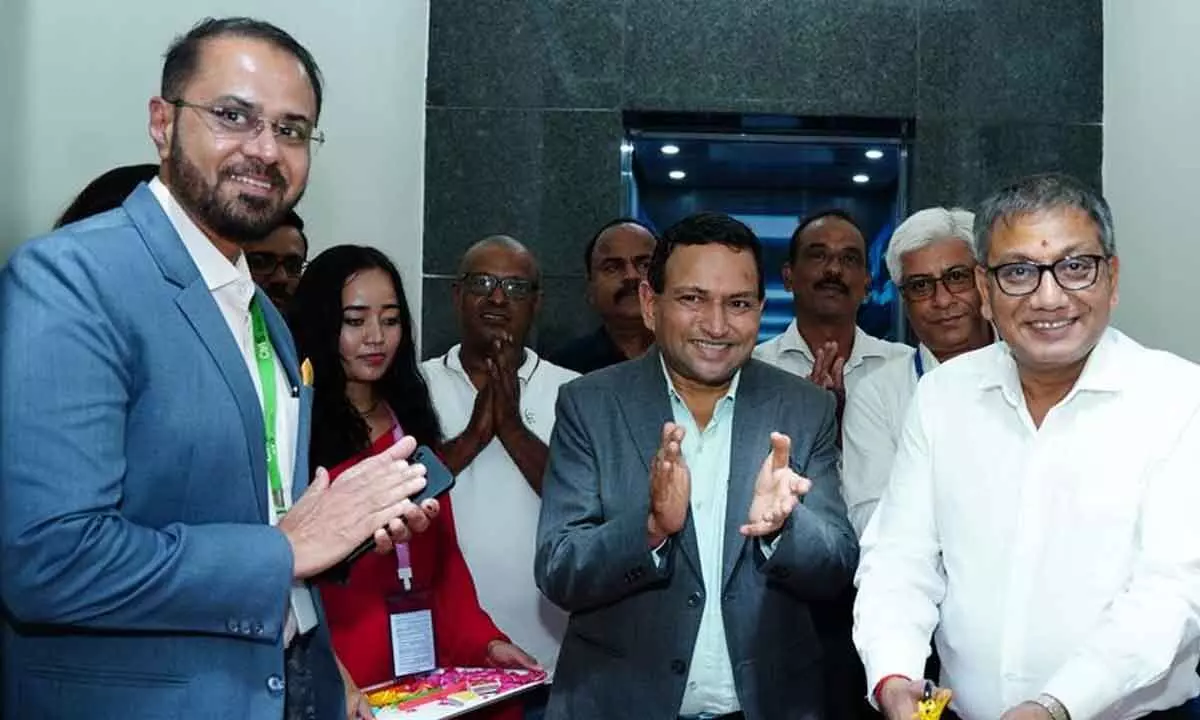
x=932, y=258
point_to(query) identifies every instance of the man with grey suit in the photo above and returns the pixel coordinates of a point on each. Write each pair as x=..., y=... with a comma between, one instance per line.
x=691, y=509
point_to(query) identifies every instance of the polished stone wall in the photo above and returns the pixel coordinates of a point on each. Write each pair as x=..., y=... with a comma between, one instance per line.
x=525, y=100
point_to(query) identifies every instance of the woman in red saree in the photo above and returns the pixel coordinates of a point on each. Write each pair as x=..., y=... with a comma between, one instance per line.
x=352, y=323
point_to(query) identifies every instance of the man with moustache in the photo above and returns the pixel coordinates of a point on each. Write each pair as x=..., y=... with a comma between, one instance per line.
x=615, y=260
x=1040, y=520
x=932, y=258
x=691, y=511
x=495, y=398
x=157, y=526
x=278, y=260
x=826, y=272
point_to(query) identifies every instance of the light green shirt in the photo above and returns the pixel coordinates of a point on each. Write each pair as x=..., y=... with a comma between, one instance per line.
x=710, y=687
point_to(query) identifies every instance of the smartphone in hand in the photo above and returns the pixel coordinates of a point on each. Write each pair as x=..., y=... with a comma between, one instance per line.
x=438, y=481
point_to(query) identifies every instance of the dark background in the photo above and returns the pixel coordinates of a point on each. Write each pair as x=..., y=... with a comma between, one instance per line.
x=525, y=106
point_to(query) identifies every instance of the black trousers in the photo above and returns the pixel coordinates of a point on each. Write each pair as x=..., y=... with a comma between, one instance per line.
x=299, y=700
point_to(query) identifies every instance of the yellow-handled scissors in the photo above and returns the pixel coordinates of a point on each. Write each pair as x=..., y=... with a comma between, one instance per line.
x=933, y=702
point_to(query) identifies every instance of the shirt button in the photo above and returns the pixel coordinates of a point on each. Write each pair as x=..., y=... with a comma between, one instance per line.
x=275, y=684
x=694, y=599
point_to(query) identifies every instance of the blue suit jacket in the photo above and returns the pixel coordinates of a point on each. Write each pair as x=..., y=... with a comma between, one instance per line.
x=139, y=575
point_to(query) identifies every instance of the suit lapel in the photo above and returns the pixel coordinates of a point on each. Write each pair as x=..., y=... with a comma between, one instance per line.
x=201, y=311
x=645, y=409
x=754, y=412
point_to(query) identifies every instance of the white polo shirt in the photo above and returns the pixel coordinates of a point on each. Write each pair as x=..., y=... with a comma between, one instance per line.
x=788, y=351
x=871, y=426
x=495, y=510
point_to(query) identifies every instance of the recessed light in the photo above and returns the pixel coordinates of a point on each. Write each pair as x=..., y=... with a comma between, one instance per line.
x=874, y=154
x=860, y=178
x=670, y=149
x=677, y=174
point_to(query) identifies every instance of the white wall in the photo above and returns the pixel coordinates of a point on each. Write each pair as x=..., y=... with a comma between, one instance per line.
x=1151, y=164
x=88, y=70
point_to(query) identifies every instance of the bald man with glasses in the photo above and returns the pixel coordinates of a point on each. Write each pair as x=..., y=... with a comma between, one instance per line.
x=495, y=398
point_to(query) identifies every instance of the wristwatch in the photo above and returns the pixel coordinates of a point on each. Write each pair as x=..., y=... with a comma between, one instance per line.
x=1057, y=710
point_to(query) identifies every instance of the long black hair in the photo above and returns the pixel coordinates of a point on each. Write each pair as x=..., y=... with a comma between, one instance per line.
x=315, y=318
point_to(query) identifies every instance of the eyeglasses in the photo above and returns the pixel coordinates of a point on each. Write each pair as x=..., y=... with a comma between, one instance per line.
x=957, y=279
x=818, y=255
x=484, y=284
x=243, y=124
x=266, y=263
x=1077, y=272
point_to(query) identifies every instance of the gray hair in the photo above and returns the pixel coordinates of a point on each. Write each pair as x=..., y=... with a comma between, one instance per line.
x=1038, y=194
x=926, y=227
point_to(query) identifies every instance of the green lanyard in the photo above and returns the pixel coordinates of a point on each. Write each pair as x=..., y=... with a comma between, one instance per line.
x=264, y=354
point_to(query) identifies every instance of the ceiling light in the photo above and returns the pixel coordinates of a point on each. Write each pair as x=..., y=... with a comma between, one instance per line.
x=874, y=154
x=670, y=149
x=860, y=178
x=677, y=174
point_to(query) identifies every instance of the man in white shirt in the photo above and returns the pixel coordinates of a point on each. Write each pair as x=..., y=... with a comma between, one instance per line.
x=495, y=399
x=672, y=526
x=1040, y=520
x=158, y=529
x=826, y=272
x=931, y=256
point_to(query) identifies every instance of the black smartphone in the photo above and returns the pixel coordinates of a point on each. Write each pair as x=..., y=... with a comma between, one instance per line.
x=438, y=478
x=438, y=481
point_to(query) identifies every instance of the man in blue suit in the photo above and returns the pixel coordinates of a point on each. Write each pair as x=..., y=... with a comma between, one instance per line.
x=157, y=526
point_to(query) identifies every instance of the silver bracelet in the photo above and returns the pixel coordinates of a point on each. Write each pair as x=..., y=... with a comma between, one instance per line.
x=1054, y=706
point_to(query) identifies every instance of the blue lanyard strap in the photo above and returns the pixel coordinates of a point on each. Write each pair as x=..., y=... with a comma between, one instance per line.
x=918, y=363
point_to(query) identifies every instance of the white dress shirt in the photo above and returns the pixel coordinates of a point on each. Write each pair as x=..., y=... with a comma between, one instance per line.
x=232, y=288
x=492, y=489
x=788, y=351
x=1063, y=559
x=710, y=686
x=871, y=426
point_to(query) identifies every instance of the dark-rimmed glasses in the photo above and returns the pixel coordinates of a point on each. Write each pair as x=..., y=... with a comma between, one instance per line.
x=265, y=263
x=957, y=279
x=1073, y=273
x=239, y=123
x=484, y=284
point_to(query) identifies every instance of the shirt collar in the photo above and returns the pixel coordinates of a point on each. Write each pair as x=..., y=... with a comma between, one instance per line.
x=453, y=360
x=1101, y=371
x=865, y=346
x=214, y=267
x=730, y=394
x=928, y=359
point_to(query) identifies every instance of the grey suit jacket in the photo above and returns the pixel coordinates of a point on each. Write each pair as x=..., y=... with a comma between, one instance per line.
x=634, y=624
